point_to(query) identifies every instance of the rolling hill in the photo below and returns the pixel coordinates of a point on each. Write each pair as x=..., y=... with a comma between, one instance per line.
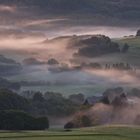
x=133, y=55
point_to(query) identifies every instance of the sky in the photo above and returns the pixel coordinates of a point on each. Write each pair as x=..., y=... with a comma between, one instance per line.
x=54, y=18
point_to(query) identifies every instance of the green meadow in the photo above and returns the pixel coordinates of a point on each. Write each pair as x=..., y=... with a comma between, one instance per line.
x=133, y=41
x=94, y=133
x=132, y=56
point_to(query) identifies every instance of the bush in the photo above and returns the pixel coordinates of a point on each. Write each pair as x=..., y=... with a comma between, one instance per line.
x=18, y=120
x=10, y=100
x=86, y=122
x=69, y=125
x=138, y=33
x=78, y=122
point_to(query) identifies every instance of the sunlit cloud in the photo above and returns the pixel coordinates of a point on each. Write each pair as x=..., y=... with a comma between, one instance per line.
x=41, y=21
x=7, y=8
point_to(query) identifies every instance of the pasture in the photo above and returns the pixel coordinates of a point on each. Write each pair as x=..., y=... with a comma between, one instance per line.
x=94, y=133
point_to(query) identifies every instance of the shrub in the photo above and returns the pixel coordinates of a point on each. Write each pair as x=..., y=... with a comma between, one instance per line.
x=18, y=120
x=69, y=125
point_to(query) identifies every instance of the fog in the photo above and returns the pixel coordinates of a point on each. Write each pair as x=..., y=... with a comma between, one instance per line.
x=42, y=45
x=26, y=44
x=114, y=76
x=109, y=114
x=111, y=31
x=106, y=114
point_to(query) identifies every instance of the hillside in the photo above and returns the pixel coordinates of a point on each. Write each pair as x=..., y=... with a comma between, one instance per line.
x=133, y=55
x=133, y=41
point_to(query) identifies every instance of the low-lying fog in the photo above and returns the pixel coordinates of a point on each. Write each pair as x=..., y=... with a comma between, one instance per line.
x=30, y=44
x=112, y=32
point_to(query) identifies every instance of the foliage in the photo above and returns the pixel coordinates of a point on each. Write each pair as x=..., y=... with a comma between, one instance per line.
x=125, y=48
x=81, y=120
x=69, y=125
x=17, y=120
x=77, y=98
x=97, y=46
x=53, y=104
x=10, y=100
x=138, y=33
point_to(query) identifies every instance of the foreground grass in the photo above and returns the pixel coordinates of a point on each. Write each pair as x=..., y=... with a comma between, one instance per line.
x=97, y=133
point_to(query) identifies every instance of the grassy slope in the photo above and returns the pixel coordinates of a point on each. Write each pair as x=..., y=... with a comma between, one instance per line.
x=134, y=42
x=133, y=55
x=97, y=133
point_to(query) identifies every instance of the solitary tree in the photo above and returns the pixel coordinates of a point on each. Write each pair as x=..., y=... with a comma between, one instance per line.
x=138, y=33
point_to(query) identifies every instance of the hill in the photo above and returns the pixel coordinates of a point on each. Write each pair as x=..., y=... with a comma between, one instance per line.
x=133, y=55
x=133, y=41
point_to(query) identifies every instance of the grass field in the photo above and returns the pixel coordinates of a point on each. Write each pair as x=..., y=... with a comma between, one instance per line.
x=133, y=55
x=134, y=44
x=133, y=41
x=97, y=133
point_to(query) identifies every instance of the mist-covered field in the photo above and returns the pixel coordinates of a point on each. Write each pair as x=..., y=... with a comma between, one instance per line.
x=67, y=90
x=72, y=82
x=86, y=82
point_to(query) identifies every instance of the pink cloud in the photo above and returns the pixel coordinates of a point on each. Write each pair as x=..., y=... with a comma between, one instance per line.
x=7, y=8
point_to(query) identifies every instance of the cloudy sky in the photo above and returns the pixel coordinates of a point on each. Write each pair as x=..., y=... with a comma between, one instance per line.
x=54, y=18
